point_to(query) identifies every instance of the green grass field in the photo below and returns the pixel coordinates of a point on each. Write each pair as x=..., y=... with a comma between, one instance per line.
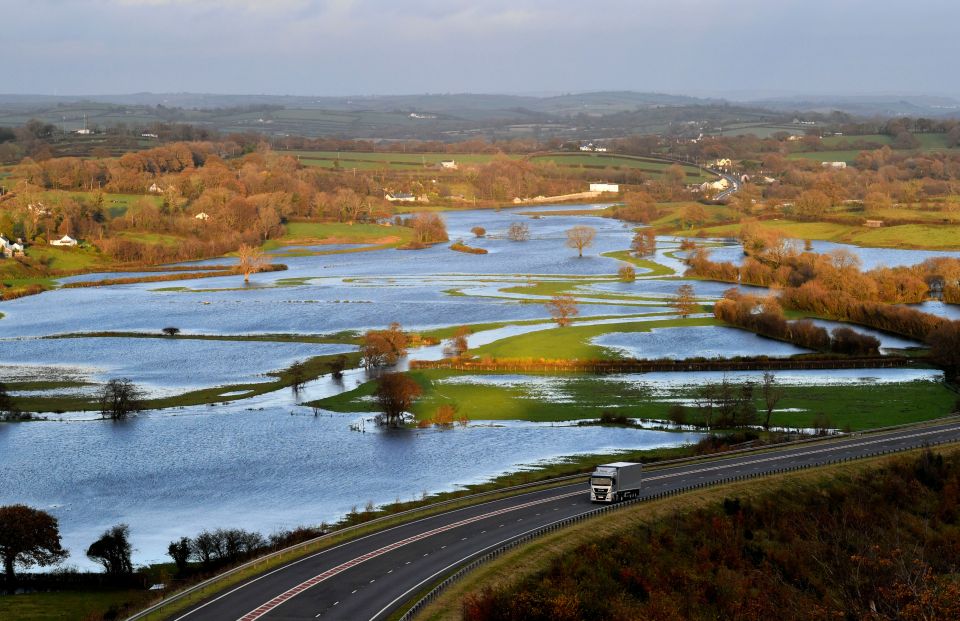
x=67, y=605
x=320, y=233
x=573, y=342
x=577, y=397
x=932, y=237
x=650, y=166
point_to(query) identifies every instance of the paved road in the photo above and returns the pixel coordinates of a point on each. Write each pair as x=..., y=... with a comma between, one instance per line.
x=370, y=577
x=733, y=189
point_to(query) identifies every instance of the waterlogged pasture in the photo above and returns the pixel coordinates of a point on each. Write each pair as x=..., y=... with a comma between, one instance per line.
x=267, y=462
x=159, y=366
x=857, y=398
x=694, y=342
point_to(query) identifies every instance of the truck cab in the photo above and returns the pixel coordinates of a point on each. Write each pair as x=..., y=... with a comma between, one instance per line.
x=615, y=482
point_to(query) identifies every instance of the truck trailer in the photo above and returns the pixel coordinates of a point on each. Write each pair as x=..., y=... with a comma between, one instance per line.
x=614, y=482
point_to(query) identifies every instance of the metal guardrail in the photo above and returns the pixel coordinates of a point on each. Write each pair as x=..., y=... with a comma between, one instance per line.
x=427, y=599
x=176, y=597
x=279, y=554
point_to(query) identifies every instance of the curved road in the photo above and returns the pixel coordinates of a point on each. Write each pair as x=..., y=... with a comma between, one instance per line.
x=370, y=577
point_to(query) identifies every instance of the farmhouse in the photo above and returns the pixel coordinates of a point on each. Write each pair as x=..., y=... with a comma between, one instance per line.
x=449, y=164
x=873, y=224
x=837, y=165
x=400, y=197
x=66, y=240
x=605, y=187
x=723, y=162
x=202, y=216
x=719, y=184
x=10, y=249
x=155, y=189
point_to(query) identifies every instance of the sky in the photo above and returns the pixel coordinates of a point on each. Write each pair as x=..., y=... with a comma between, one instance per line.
x=732, y=48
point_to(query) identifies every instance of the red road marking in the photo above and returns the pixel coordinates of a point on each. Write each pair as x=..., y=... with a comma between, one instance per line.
x=266, y=607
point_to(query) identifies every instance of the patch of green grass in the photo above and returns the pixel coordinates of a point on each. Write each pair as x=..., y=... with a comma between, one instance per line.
x=573, y=342
x=74, y=259
x=67, y=605
x=319, y=233
x=312, y=368
x=928, y=236
x=652, y=268
x=577, y=397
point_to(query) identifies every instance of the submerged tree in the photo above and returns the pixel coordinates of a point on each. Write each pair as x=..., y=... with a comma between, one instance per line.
x=563, y=308
x=518, y=231
x=580, y=237
x=119, y=398
x=383, y=347
x=396, y=393
x=252, y=260
x=684, y=302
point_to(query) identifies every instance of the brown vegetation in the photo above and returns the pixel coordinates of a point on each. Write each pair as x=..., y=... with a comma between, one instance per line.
x=813, y=552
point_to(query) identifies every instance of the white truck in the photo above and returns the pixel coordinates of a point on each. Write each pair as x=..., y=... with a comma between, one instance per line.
x=614, y=482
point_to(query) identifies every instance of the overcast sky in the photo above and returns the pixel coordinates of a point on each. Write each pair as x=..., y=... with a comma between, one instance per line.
x=355, y=47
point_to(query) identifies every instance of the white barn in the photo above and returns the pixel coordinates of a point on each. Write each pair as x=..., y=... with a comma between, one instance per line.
x=605, y=187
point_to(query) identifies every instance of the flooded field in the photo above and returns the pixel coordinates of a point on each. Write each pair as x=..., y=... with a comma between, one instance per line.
x=267, y=462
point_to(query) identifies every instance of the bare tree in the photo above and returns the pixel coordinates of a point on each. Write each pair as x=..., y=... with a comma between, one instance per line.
x=684, y=302
x=518, y=231
x=252, y=260
x=581, y=237
x=119, y=398
x=772, y=394
x=563, y=308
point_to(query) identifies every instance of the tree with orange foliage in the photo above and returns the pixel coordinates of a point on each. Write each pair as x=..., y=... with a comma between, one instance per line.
x=563, y=308
x=395, y=394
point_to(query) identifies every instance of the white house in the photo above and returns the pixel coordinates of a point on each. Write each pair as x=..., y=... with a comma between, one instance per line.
x=719, y=185
x=723, y=162
x=837, y=165
x=66, y=240
x=400, y=197
x=605, y=187
x=155, y=189
x=449, y=164
x=202, y=216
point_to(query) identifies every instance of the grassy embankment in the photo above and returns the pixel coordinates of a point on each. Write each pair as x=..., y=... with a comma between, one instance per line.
x=523, y=563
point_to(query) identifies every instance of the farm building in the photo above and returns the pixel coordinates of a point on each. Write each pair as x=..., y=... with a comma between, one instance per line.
x=873, y=224
x=604, y=187
x=66, y=240
x=400, y=197
x=202, y=216
x=449, y=164
x=10, y=249
x=837, y=165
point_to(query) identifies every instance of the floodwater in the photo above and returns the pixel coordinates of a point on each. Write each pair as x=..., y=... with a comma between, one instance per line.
x=265, y=463
x=170, y=475
x=694, y=342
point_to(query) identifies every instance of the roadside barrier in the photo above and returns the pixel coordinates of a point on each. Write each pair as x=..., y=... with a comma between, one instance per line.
x=297, y=548
x=435, y=592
